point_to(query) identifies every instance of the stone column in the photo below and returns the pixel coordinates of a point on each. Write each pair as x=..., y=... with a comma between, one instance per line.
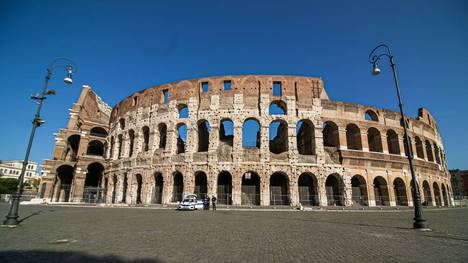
x=322, y=193
x=236, y=188
x=383, y=138
x=342, y=138
x=364, y=141
x=264, y=190
x=76, y=193
x=348, y=191
x=294, y=192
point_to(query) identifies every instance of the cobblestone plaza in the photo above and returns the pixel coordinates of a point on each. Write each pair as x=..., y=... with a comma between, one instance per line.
x=87, y=234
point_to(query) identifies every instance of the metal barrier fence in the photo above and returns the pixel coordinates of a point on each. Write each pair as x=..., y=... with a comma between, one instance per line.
x=460, y=201
x=94, y=195
x=6, y=198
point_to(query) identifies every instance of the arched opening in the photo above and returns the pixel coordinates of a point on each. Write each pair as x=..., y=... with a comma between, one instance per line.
x=64, y=181
x=162, y=129
x=158, y=188
x=381, y=191
x=370, y=115
x=226, y=132
x=71, y=151
x=419, y=147
x=224, y=192
x=359, y=190
x=122, y=124
x=146, y=138
x=95, y=148
x=204, y=130
x=201, y=185
x=353, y=137
x=444, y=195
x=436, y=153
x=392, y=142
x=251, y=134
x=427, y=194
x=99, y=132
x=279, y=185
x=278, y=108
x=305, y=135
x=93, y=193
x=139, y=184
x=334, y=187
x=406, y=145
x=308, y=194
x=114, y=188
x=437, y=198
x=183, y=111
x=181, y=137
x=124, y=188
x=330, y=135
x=111, y=150
x=178, y=187
x=430, y=156
x=131, y=138
x=399, y=189
x=120, y=142
x=278, y=136
x=374, y=139
x=250, y=189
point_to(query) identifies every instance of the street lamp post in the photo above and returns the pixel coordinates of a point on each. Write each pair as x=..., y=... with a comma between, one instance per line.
x=374, y=57
x=70, y=67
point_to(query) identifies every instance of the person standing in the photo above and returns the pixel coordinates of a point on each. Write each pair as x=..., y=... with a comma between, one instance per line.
x=213, y=200
x=208, y=202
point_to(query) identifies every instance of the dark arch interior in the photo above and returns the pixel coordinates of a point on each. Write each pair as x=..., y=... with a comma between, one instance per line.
x=308, y=194
x=146, y=135
x=131, y=135
x=305, y=135
x=71, y=151
x=65, y=178
x=203, y=136
x=162, y=128
x=374, y=140
x=250, y=189
x=330, y=135
x=178, y=187
x=279, y=189
x=334, y=189
x=359, y=190
x=139, y=181
x=400, y=192
x=353, y=137
x=381, y=191
x=99, y=132
x=94, y=175
x=158, y=188
x=224, y=190
x=437, y=199
x=392, y=142
x=279, y=141
x=201, y=185
x=181, y=137
x=95, y=148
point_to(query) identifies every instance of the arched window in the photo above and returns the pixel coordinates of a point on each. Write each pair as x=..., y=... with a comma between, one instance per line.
x=334, y=187
x=120, y=142
x=374, y=139
x=370, y=115
x=305, y=135
x=201, y=184
x=406, y=145
x=183, y=111
x=436, y=153
x=226, y=132
x=278, y=108
x=278, y=136
x=162, y=128
x=158, y=188
x=181, y=137
x=400, y=192
x=353, y=137
x=177, y=187
x=430, y=156
x=204, y=130
x=131, y=137
x=381, y=191
x=111, y=150
x=95, y=148
x=330, y=134
x=392, y=142
x=73, y=142
x=359, y=190
x=146, y=138
x=251, y=134
x=419, y=147
x=99, y=132
x=279, y=194
x=122, y=123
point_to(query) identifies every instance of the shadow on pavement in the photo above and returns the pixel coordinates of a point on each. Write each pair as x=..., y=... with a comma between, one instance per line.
x=63, y=256
x=31, y=215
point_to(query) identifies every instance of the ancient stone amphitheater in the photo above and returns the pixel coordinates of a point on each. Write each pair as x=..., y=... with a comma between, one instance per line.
x=253, y=140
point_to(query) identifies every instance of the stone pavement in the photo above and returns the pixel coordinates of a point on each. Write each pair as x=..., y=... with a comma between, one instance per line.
x=87, y=234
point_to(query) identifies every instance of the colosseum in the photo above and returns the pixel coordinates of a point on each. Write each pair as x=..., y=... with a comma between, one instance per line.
x=253, y=140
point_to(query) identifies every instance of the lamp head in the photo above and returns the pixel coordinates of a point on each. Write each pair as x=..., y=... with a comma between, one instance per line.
x=375, y=69
x=68, y=79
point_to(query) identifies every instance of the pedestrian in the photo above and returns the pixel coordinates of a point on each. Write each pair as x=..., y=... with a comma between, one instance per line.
x=208, y=202
x=213, y=200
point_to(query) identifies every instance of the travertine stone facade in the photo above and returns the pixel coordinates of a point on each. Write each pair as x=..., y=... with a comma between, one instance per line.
x=324, y=152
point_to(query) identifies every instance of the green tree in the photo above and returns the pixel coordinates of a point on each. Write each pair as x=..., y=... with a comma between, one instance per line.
x=8, y=185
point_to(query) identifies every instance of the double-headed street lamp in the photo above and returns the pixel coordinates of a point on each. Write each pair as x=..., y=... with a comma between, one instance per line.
x=374, y=58
x=70, y=67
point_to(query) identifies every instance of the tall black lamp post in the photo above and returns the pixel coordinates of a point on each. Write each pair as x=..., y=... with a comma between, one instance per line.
x=374, y=58
x=70, y=67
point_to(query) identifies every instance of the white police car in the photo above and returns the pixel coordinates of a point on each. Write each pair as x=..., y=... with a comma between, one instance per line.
x=190, y=202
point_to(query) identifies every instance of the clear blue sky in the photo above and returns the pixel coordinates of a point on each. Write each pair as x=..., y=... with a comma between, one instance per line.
x=125, y=46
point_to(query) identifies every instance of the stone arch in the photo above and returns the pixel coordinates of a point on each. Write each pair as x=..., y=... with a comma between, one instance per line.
x=224, y=189
x=381, y=191
x=419, y=147
x=370, y=115
x=204, y=130
x=162, y=129
x=181, y=137
x=124, y=188
x=95, y=148
x=353, y=137
x=93, y=193
x=436, y=153
x=158, y=188
x=177, y=186
x=305, y=137
x=437, y=198
x=430, y=156
x=427, y=194
x=399, y=189
x=111, y=150
x=139, y=187
x=64, y=179
x=359, y=190
x=279, y=189
x=330, y=135
x=374, y=140
x=444, y=195
x=183, y=111
x=201, y=184
x=146, y=138
x=308, y=192
x=393, y=142
x=131, y=142
x=334, y=187
x=250, y=189
x=120, y=143
x=226, y=131
x=251, y=133
x=98, y=132
x=122, y=124
x=278, y=107
x=71, y=152
x=278, y=136
x=114, y=189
